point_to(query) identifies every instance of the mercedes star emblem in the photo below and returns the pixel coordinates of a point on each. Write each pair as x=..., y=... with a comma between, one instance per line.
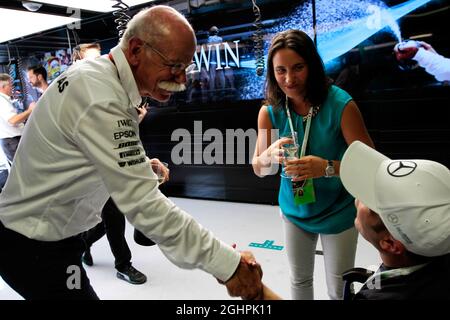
x=401, y=168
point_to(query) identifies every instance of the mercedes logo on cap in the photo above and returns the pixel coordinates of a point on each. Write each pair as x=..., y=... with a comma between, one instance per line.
x=401, y=168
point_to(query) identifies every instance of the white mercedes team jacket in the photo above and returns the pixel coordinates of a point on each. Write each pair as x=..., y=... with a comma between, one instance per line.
x=80, y=145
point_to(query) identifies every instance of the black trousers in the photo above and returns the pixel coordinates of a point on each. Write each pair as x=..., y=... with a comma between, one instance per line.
x=113, y=225
x=9, y=146
x=44, y=269
x=3, y=177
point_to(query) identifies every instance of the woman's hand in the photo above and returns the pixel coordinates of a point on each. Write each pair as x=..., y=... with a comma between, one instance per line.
x=305, y=168
x=274, y=153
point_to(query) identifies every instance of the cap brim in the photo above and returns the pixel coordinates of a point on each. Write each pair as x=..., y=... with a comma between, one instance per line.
x=358, y=170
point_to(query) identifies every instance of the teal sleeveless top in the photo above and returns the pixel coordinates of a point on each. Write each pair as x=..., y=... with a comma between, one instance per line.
x=334, y=210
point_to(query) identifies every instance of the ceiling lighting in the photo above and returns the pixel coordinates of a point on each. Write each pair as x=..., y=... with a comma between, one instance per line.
x=35, y=22
x=31, y=6
x=97, y=5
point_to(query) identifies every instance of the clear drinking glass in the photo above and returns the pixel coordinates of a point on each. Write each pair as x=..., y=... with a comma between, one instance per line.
x=290, y=152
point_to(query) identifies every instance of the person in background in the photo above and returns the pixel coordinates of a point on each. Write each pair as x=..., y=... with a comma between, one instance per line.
x=11, y=122
x=349, y=79
x=86, y=51
x=113, y=221
x=216, y=73
x=37, y=75
x=296, y=78
x=85, y=145
x=404, y=212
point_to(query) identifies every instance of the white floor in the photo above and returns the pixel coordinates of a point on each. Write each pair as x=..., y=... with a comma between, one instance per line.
x=233, y=223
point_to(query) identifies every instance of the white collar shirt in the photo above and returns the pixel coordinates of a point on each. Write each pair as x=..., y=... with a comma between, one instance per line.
x=81, y=144
x=7, y=111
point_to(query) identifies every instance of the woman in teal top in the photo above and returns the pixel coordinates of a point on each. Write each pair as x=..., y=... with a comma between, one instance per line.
x=296, y=78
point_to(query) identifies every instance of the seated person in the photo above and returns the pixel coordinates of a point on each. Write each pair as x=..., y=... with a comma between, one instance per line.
x=403, y=210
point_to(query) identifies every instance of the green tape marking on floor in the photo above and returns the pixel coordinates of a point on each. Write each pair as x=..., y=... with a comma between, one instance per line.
x=268, y=244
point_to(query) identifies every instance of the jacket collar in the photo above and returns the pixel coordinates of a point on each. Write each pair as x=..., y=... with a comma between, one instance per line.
x=126, y=76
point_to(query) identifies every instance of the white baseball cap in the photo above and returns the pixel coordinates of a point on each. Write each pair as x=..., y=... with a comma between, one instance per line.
x=412, y=197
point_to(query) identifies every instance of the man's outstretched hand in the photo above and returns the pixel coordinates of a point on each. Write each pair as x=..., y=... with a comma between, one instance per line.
x=246, y=280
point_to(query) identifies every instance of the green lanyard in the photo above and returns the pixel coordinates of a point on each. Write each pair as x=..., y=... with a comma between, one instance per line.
x=308, y=125
x=306, y=136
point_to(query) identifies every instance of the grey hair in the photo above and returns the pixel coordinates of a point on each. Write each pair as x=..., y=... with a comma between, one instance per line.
x=5, y=79
x=149, y=25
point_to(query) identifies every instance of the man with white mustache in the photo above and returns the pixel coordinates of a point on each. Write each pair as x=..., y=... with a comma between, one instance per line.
x=80, y=146
x=171, y=86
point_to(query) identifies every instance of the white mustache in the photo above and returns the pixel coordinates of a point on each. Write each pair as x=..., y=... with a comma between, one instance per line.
x=171, y=86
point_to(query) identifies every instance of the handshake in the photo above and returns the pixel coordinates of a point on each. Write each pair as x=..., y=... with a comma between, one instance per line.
x=246, y=280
